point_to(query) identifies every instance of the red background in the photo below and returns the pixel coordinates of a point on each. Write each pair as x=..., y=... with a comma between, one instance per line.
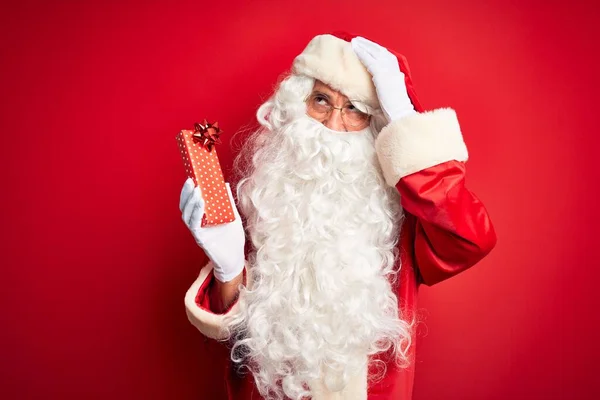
x=95, y=258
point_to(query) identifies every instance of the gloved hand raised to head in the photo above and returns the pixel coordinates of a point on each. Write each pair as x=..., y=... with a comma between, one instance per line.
x=223, y=244
x=387, y=78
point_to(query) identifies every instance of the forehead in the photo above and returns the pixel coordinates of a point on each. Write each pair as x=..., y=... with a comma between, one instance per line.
x=328, y=90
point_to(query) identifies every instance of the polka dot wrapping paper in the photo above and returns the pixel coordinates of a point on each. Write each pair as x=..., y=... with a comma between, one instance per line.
x=203, y=167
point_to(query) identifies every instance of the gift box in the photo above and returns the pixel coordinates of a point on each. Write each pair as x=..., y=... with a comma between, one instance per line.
x=201, y=163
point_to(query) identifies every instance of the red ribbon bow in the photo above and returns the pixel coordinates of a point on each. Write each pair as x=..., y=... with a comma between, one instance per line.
x=207, y=134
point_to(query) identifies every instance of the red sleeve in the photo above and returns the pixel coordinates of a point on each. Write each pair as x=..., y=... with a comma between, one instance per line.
x=453, y=229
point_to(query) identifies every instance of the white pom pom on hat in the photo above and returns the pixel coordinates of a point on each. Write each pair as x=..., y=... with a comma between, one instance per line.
x=330, y=59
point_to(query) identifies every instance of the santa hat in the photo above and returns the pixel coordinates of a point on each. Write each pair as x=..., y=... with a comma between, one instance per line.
x=330, y=59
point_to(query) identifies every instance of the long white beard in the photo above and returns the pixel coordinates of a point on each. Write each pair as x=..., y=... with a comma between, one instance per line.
x=324, y=228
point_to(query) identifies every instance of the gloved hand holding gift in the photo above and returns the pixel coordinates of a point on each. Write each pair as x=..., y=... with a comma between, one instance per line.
x=207, y=205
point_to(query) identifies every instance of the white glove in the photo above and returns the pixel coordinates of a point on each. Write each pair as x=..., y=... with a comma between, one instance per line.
x=223, y=244
x=387, y=77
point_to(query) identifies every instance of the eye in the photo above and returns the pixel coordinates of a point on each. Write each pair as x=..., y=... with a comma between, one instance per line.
x=321, y=100
x=352, y=109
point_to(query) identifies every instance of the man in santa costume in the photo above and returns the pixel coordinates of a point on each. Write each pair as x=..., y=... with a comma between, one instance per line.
x=352, y=196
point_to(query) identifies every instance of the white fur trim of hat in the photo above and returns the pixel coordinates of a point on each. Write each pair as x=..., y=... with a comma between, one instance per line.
x=332, y=61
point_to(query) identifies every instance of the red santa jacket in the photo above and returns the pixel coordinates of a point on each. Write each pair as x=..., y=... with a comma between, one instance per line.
x=445, y=231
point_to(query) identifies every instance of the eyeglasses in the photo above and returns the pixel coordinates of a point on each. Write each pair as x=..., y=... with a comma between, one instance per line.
x=320, y=109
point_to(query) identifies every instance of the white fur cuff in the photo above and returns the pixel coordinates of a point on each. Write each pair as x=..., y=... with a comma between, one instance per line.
x=208, y=323
x=419, y=141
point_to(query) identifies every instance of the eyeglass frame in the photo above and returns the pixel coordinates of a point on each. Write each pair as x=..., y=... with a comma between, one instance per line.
x=340, y=108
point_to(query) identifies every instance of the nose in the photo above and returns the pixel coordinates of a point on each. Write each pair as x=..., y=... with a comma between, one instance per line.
x=335, y=121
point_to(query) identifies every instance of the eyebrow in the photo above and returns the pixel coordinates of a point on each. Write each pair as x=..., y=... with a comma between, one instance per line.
x=321, y=93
